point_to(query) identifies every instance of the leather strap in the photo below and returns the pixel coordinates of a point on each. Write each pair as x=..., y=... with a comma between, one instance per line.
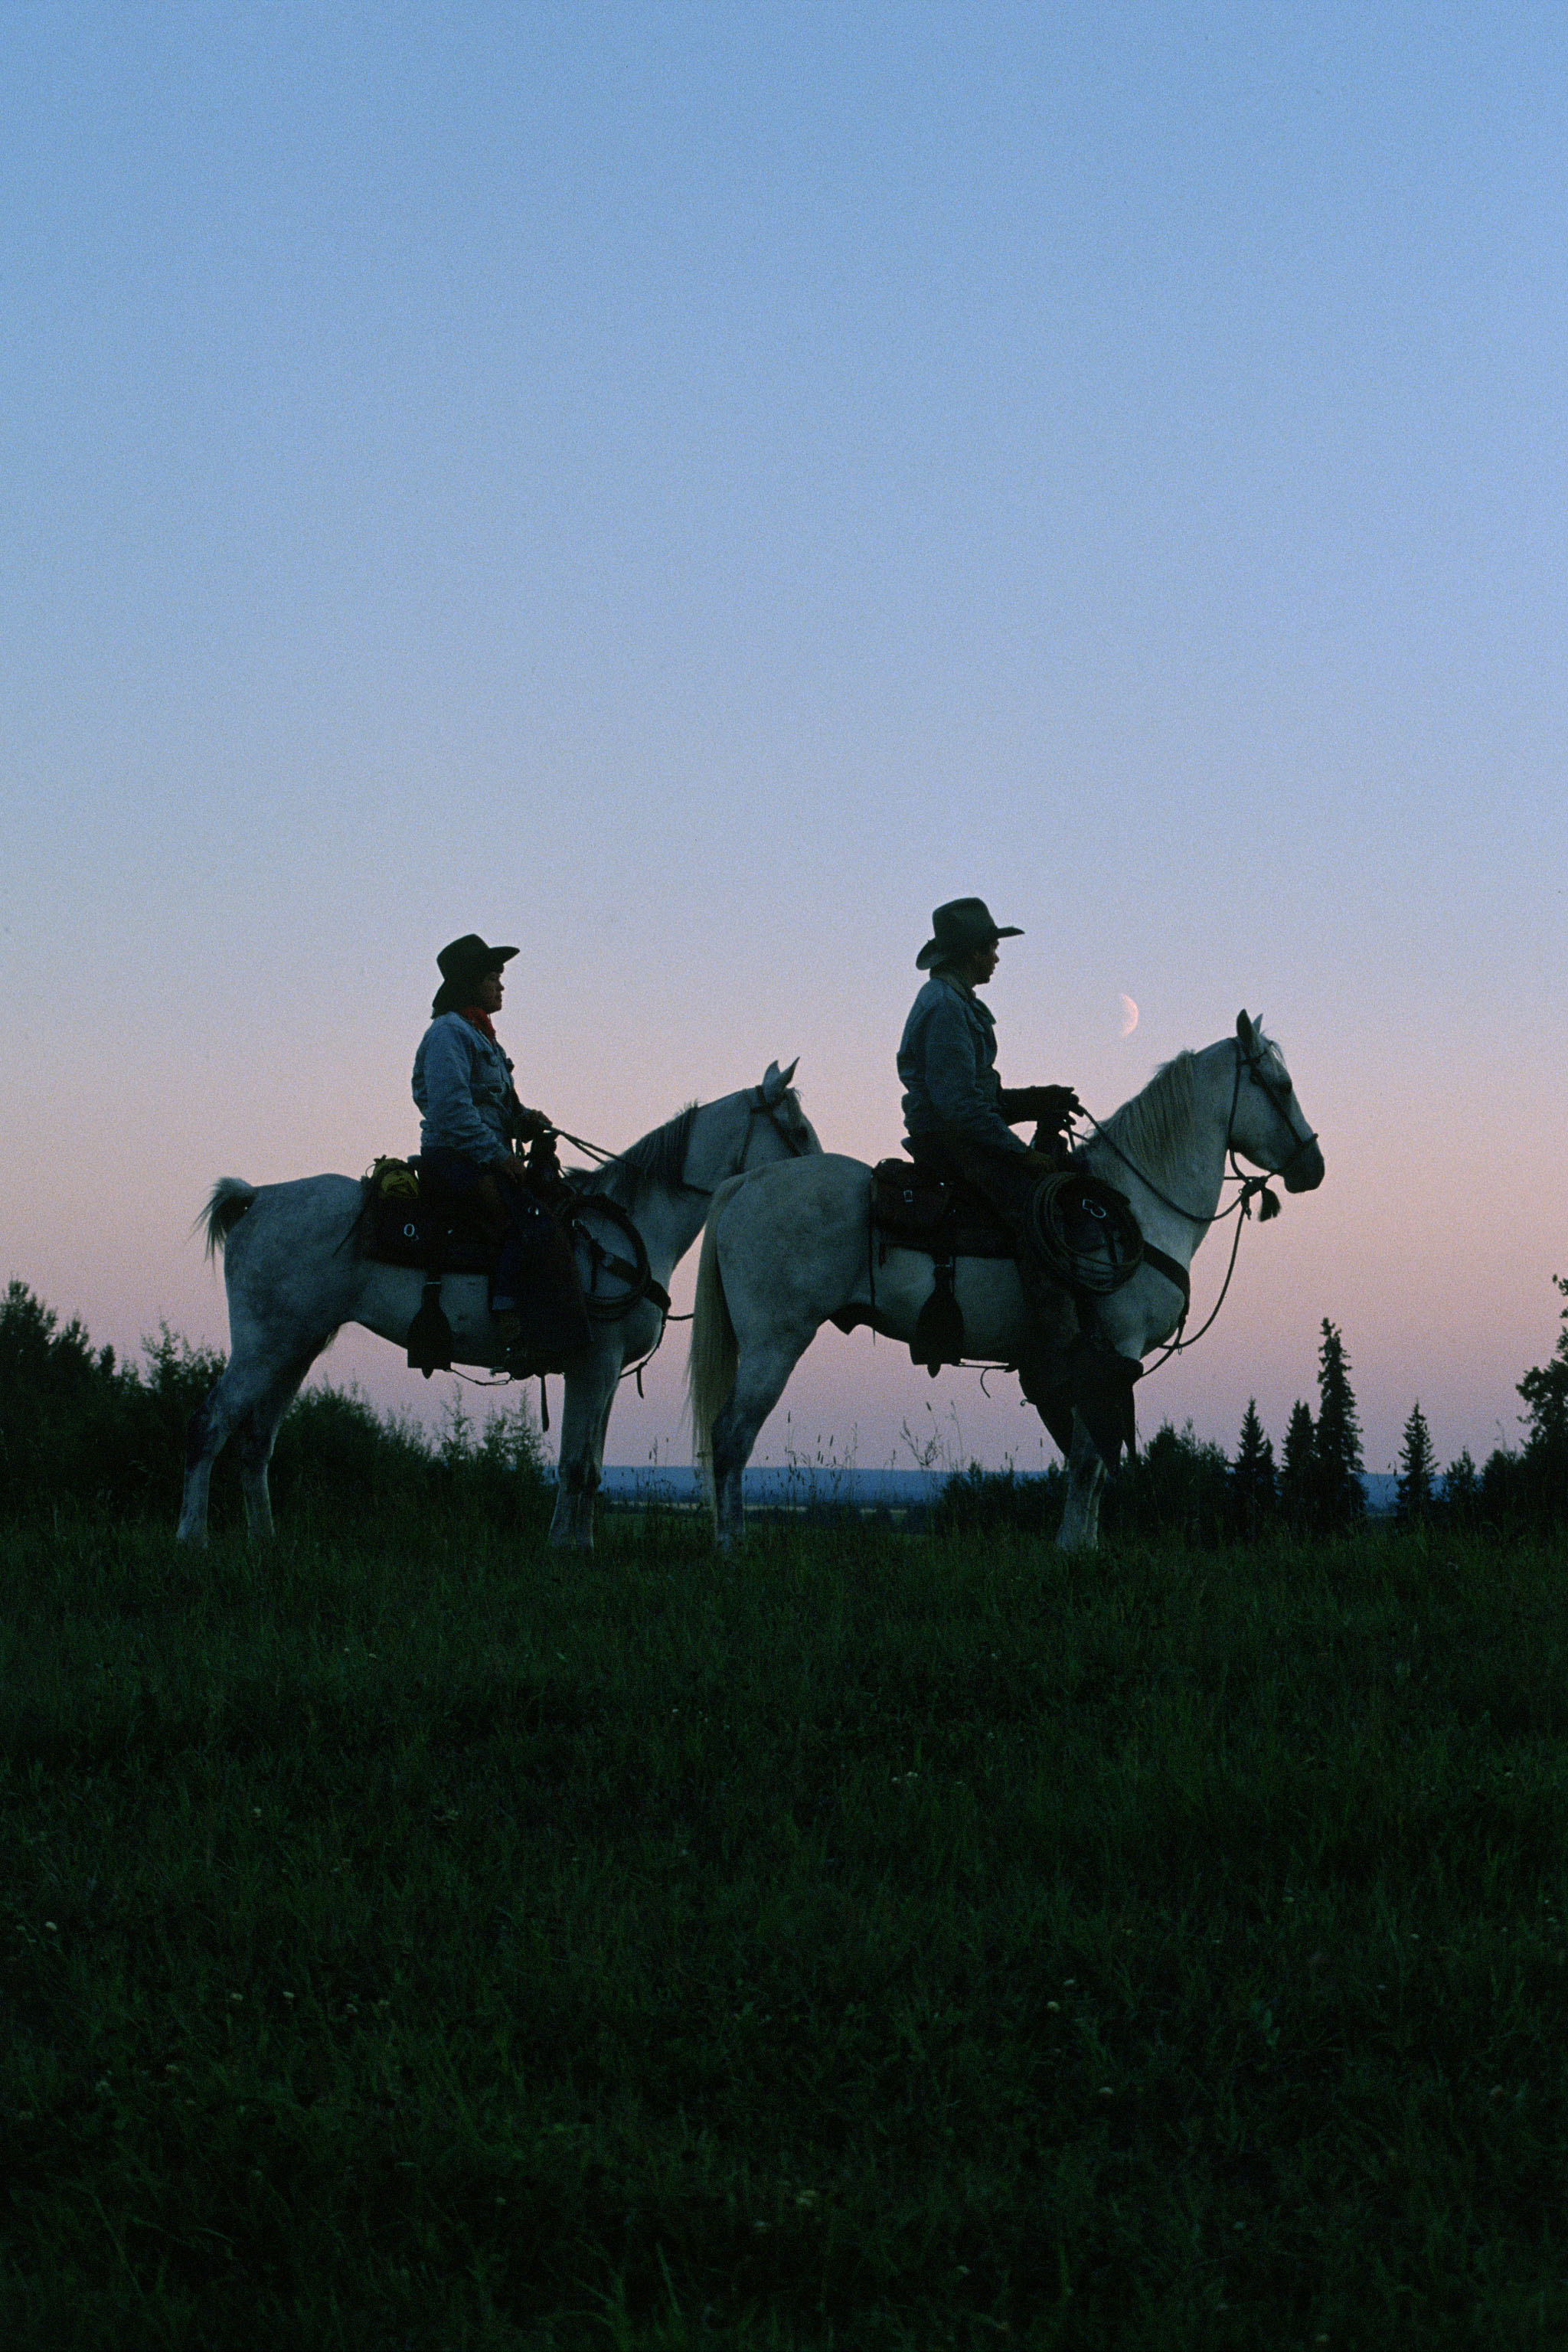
x=624, y=1271
x=1173, y=1271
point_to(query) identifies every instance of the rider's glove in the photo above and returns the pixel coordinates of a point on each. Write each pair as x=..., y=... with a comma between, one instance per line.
x=1051, y=1107
x=531, y=1126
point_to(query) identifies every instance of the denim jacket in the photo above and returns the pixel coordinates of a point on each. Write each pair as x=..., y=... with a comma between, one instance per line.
x=947, y=1060
x=462, y=1083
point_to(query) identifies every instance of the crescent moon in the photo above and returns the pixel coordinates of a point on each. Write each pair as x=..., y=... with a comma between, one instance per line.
x=1128, y=1016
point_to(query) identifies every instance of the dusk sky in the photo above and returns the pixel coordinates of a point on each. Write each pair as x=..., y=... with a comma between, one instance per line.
x=688, y=489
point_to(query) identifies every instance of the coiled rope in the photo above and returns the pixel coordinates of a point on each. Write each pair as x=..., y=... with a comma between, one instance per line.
x=1084, y=1231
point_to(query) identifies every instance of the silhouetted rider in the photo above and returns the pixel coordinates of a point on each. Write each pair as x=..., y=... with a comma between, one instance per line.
x=959, y=1117
x=469, y=1118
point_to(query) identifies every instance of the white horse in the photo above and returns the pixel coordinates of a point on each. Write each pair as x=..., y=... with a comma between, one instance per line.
x=295, y=1272
x=788, y=1249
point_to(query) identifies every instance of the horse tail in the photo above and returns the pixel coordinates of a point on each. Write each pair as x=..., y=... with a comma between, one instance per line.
x=230, y=1198
x=712, y=1366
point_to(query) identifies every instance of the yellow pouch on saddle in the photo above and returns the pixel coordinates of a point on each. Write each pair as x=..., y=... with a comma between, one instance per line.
x=393, y=1180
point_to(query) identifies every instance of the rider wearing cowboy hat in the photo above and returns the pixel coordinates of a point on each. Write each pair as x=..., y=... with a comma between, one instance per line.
x=469, y=1118
x=959, y=1117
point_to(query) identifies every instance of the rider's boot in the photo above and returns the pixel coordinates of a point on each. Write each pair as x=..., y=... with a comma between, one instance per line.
x=1051, y=1332
x=551, y=1321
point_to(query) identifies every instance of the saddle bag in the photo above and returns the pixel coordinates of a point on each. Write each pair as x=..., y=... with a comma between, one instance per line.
x=908, y=1200
x=408, y=1222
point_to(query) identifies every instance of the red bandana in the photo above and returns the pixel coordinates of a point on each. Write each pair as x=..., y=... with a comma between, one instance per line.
x=481, y=1020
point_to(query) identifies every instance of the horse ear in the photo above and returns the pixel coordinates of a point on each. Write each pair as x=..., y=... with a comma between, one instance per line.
x=1244, y=1031
x=775, y=1085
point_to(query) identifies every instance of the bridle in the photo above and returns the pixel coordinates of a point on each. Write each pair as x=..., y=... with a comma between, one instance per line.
x=758, y=1107
x=1248, y=1058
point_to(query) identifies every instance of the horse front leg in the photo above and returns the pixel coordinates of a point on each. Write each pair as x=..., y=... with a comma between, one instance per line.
x=585, y=1418
x=1079, y=1529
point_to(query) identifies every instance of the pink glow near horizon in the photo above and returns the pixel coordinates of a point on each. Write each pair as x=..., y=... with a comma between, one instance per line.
x=690, y=494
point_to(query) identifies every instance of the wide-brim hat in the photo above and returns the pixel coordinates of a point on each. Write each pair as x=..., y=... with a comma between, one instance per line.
x=960, y=926
x=470, y=959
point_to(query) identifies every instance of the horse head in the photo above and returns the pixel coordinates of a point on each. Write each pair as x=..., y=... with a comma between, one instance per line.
x=779, y=1105
x=1268, y=1125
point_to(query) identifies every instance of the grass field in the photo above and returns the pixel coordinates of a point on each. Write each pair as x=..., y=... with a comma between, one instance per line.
x=413, y=1938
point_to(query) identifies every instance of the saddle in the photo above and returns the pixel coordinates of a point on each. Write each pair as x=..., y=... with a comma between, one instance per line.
x=411, y=1220
x=920, y=1209
x=1079, y=1229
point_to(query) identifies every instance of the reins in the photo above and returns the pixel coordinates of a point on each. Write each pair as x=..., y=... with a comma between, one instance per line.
x=1248, y=1060
x=758, y=1107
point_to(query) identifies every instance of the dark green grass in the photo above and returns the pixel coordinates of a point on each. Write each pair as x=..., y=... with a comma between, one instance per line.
x=421, y=1940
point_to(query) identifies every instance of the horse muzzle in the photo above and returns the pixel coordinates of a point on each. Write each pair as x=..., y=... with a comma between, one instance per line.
x=1305, y=1173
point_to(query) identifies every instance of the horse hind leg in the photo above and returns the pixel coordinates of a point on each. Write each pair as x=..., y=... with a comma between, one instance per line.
x=257, y=1438
x=206, y=1433
x=251, y=1398
x=226, y=1407
x=760, y=1378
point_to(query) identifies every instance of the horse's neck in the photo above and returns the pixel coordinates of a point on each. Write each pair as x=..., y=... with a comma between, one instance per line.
x=669, y=1222
x=1197, y=1176
x=671, y=1218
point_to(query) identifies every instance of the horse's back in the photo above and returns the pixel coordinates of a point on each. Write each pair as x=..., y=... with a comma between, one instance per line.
x=827, y=1179
x=792, y=1237
x=295, y=1227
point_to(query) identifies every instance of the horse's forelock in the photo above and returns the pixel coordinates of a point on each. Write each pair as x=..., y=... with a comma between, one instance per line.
x=1270, y=1060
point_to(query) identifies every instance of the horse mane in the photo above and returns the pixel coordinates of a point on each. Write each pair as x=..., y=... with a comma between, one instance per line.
x=655, y=1161
x=1154, y=1129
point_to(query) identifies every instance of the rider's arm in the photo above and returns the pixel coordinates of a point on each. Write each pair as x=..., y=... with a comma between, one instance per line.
x=452, y=1118
x=527, y=1125
x=962, y=1090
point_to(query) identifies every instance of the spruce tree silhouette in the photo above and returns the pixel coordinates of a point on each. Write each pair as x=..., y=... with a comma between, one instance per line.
x=1544, y=1463
x=1254, y=1485
x=1298, y=1468
x=1461, y=1491
x=1414, y=1506
x=1339, y=1497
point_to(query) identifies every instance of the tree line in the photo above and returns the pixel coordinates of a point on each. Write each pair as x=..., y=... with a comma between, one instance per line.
x=79, y=1428
x=1184, y=1484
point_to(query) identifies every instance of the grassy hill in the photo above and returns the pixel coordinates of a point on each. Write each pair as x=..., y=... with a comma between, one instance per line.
x=416, y=1939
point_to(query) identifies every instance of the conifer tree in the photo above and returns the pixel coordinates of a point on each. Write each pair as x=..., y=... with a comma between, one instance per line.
x=1414, y=1506
x=1297, y=1468
x=1461, y=1491
x=1339, y=1495
x=1254, y=1485
x=1545, y=1458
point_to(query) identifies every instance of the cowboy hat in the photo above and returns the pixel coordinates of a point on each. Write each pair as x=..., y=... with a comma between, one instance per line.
x=470, y=959
x=958, y=929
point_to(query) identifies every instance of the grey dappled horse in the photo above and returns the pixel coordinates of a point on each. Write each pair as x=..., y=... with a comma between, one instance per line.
x=295, y=1273
x=787, y=1248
